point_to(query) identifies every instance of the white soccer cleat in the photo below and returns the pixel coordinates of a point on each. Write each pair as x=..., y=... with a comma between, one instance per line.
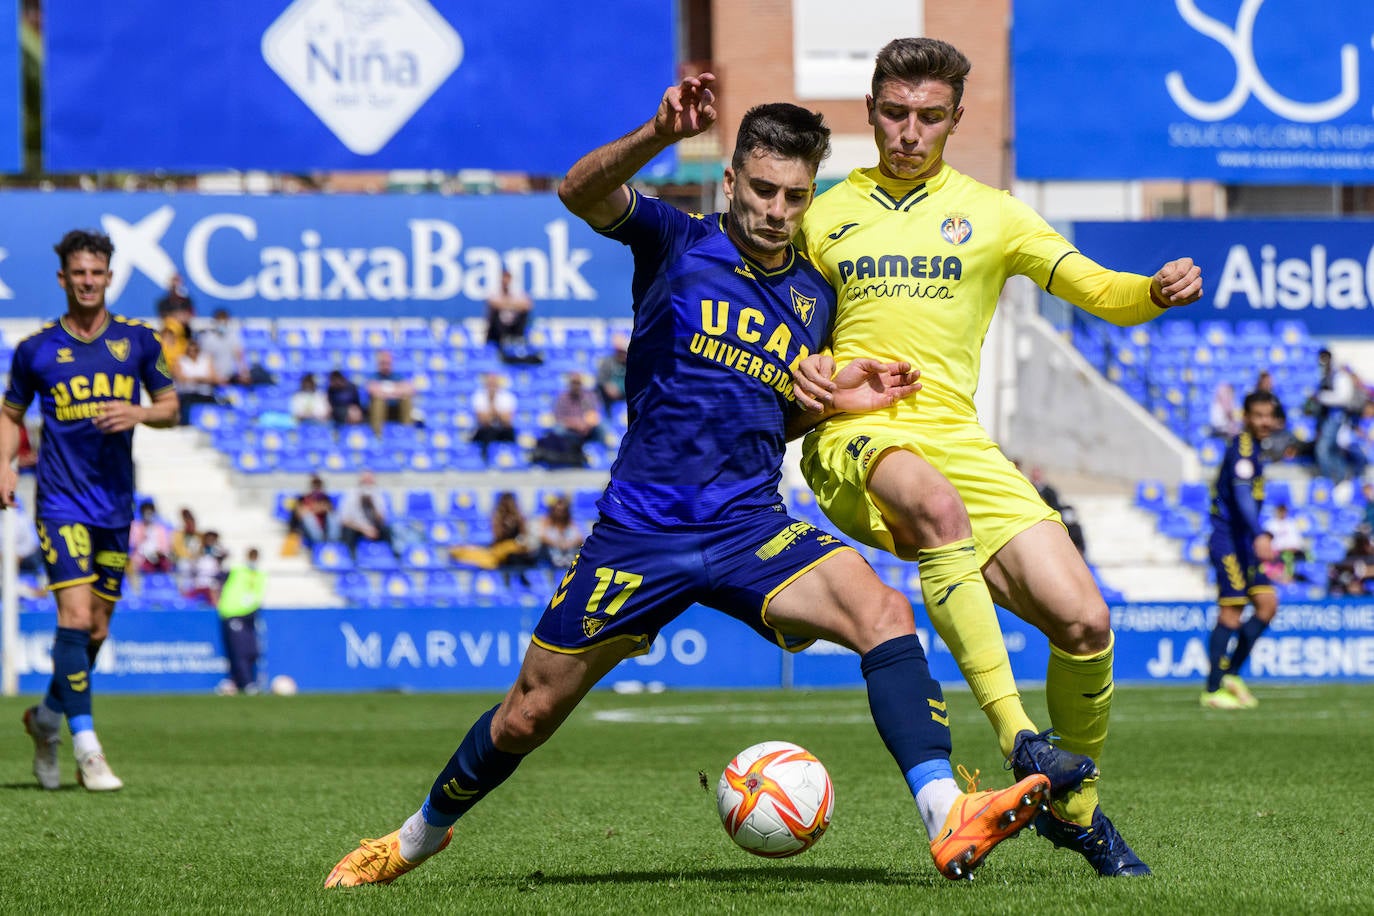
x=45, y=766
x=94, y=774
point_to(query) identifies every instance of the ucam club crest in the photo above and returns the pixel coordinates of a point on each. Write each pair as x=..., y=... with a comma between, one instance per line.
x=364, y=67
x=956, y=230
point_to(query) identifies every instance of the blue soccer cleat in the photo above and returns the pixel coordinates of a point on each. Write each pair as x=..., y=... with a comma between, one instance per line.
x=1099, y=843
x=1035, y=753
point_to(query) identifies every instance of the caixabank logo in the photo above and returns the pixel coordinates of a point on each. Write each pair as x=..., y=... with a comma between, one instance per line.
x=364, y=67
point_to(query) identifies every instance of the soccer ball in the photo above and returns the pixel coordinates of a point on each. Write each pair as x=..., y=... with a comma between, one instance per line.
x=775, y=799
x=283, y=685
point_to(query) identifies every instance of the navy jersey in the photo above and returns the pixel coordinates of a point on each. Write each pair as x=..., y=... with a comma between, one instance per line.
x=708, y=379
x=85, y=475
x=1238, y=494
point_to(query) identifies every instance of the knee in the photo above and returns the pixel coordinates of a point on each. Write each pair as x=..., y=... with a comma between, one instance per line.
x=940, y=517
x=886, y=617
x=1087, y=631
x=523, y=724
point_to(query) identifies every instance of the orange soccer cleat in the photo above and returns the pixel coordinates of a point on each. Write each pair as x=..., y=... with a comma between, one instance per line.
x=980, y=820
x=375, y=862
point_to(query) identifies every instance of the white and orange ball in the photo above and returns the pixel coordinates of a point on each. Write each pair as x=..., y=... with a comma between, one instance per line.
x=775, y=799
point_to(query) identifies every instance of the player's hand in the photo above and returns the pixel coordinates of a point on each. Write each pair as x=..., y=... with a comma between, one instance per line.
x=9, y=483
x=1177, y=283
x=687, y=109
x=118, y=416
x=812, y=383
x=1264, y=547
x=867, y=384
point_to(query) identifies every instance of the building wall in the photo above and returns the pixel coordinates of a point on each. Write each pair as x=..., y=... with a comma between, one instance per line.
x=752, y=57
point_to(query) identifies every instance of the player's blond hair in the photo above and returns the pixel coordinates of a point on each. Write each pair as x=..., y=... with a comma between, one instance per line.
x=914, y=60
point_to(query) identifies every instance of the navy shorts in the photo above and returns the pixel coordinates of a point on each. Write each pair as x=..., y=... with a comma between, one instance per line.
x=1239, y=573
x=627, y=584
x=79, y=554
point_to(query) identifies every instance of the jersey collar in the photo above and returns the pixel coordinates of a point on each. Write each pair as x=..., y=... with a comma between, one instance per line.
x=894, y=193
x=104, y=325
x=752, y=265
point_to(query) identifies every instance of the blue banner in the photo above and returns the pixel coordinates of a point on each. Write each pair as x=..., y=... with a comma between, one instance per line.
x=11, y=107
x=341, y=256
x=362, y=84
x=481, y=649
x=1318, y=271
x=1242, y=91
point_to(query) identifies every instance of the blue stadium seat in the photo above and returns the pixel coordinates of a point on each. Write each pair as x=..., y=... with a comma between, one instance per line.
x=398, y=588
x=441, y=585
x=293, y=336
x=1150, y=495
x=422, y=556
x=1277, y=493
x=158, y=590
x=355, y=587
x=377, y=338
x=337, y=337
x=332, y=556
x=1194, y=496
x=376, y=555
x=418, y=337
x=1211, y=451
x=445, y=532
x=419, y=505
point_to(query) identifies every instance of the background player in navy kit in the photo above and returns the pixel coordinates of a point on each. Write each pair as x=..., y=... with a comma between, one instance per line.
x=88, y=370
x=723, y=305
x=1238, y=548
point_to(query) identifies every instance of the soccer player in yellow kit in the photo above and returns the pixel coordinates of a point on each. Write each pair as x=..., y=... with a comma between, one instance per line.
x=918, y=254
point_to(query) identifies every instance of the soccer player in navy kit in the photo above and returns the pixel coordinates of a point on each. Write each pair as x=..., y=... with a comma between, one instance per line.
x=724, y=305
x=1238, y=546
x=88, y=370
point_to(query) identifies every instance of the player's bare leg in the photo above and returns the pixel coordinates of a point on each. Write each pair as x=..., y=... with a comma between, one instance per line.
x=546, y=691
x=842, y=600
x=928, y=522
x=1040, y=576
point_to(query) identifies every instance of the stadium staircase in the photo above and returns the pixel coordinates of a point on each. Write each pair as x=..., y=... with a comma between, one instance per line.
x=178, y=468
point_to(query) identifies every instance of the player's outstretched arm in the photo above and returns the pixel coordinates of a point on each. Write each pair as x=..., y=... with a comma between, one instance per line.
x=10, y=421
x=594, y=188
x=1176, y=283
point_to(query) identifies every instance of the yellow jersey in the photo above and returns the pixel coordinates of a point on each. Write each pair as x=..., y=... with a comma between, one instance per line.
x=918, y=267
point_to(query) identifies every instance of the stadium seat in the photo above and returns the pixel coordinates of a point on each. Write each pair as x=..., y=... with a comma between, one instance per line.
x=158, y=590
x=336, y=337
x=332, y=556
x=398, y=588
x=1277, y=493
x=376, y=555
x=441, y=586
x=419, y=505
x=421, y=556
x=1194, y=496
x=1149, y=495
x=355, y=587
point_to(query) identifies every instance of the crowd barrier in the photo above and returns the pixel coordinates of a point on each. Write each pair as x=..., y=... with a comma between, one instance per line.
x=457, y=649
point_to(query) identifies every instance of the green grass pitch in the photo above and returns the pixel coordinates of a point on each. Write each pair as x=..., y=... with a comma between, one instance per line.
x=242, y=805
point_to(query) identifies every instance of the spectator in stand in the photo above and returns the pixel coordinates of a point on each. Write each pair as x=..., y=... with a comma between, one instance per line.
x=1288, y=544
x=223, y=343
x=1281, y=445
x=577, y=411
x=313, y=519
x=610, y=372
x=508, y=317
x=196, y=380
x=493, y=409
x=560, y=537
x=363, y=515
x=1067, y=514
x=390, y=394
x=512, y=545
x=207, y=570
x=1354, y=575
x=345, y=402
x=1330, y=404
x=1368, y=523
x=150, y=543
x=186, y=546
x=177, y=301
x=239, y=602
x=1223, y=417
x=309, y=404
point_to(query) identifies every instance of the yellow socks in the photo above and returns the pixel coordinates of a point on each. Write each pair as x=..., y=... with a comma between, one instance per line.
x=1078, y=689
x=960, y=608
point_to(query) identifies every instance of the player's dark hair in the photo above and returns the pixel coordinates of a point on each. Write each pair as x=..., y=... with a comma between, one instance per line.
x=914, y=60
x=784, y=130
x=1256, y=398
x=83, y=240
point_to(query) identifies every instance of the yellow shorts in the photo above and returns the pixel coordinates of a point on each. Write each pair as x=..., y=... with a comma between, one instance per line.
x=1001, y=503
